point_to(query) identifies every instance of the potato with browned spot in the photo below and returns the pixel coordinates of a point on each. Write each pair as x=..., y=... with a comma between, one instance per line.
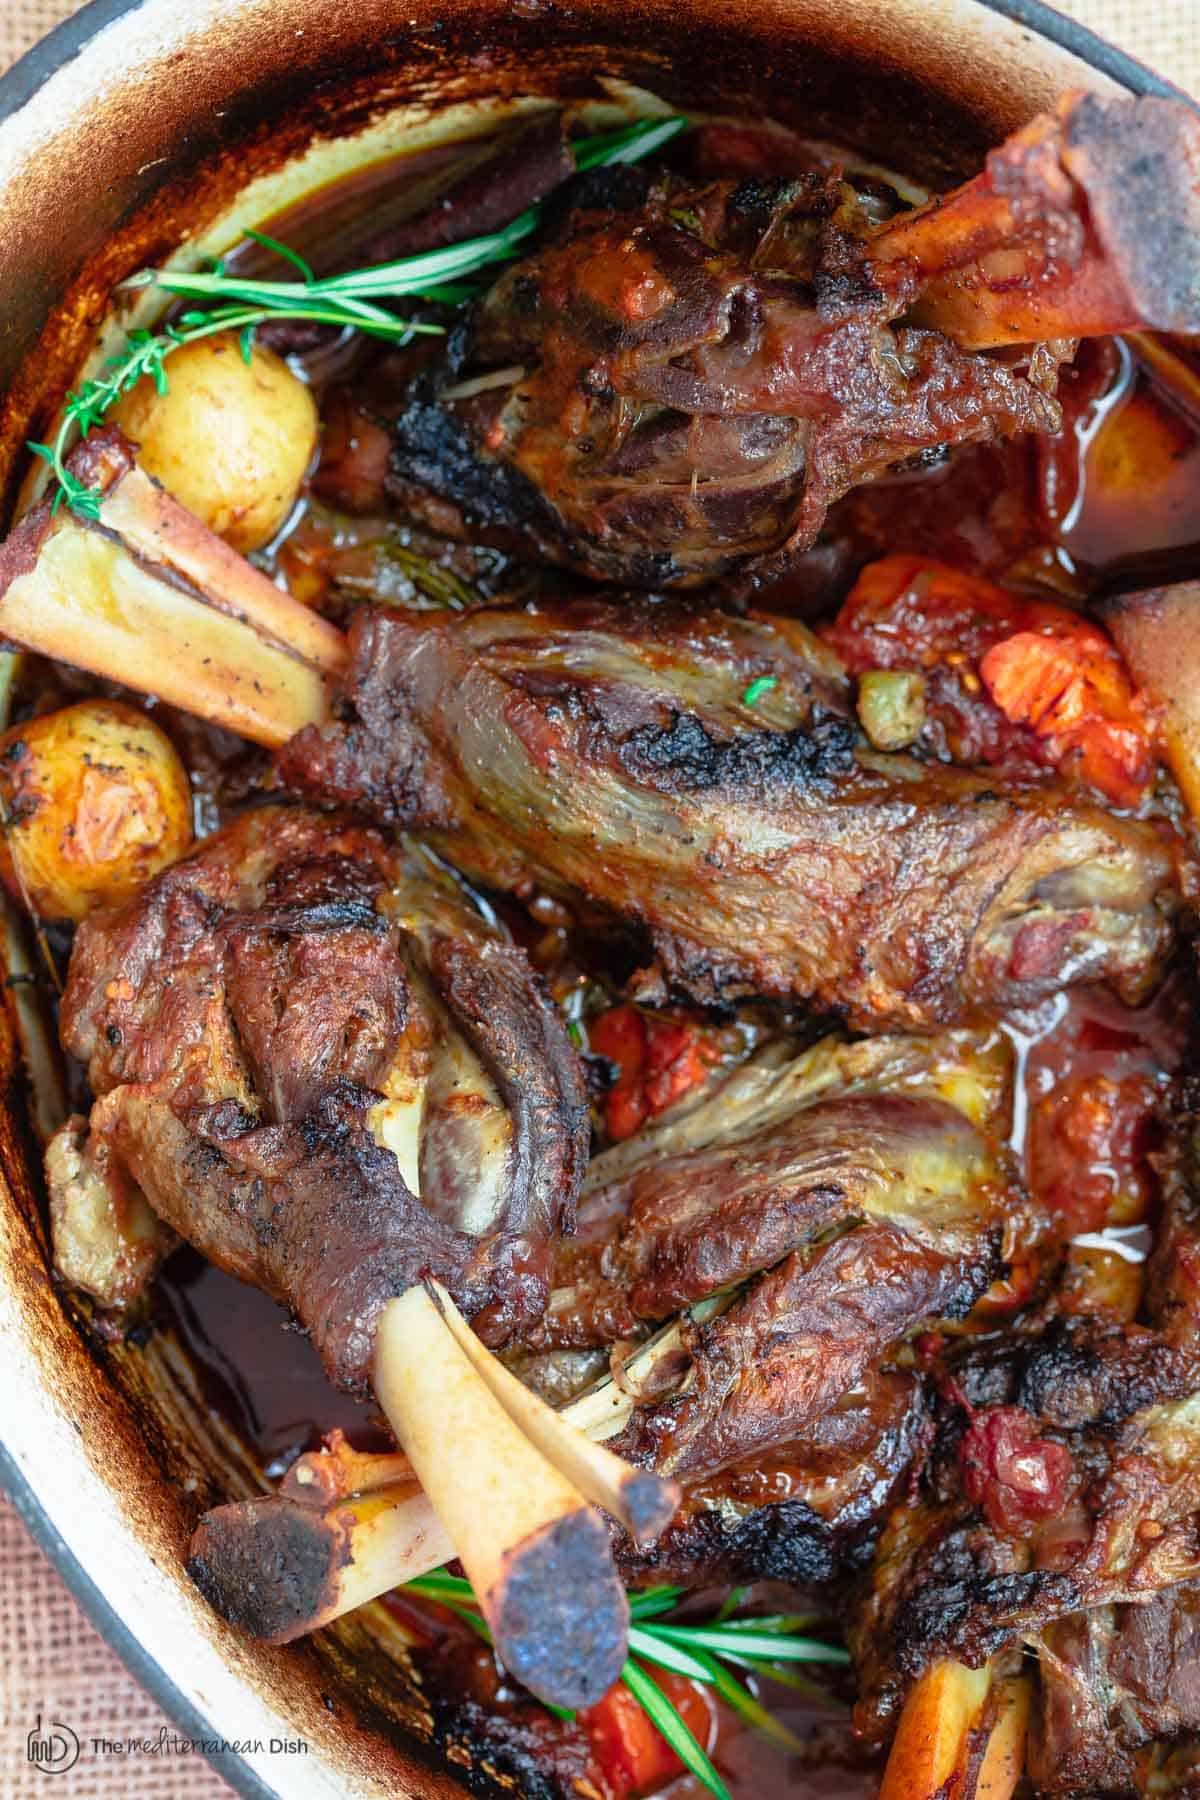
x=95, y=801
x=232, y=437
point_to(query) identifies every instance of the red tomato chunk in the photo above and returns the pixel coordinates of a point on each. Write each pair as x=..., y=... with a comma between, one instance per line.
x=1016, y=1477
x=1011, y=680
x=631, y=1756
x=659, y=1061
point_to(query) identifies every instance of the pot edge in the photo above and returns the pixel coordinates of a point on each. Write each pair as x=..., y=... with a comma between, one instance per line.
x=18, y=85
x=67, y=40
x=116, y=1634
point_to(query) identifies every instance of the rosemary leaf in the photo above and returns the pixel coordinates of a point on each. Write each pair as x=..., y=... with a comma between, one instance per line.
x=734, y=1598
x=653, y=1648
x=667, y=1721
x=766, y=1645
x=438, y=1583
x=788, y=1677
x=652, y=1601
x=284, y=250
x=628, y=145
x=781, y=1622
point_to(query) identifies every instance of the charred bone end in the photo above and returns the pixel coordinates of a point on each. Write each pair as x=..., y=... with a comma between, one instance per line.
x=271, y=1573
x=560, y=1619
x=650, y=1505
x=1138, y=164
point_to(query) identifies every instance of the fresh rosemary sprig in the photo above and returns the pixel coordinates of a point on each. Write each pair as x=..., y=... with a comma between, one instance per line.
x=145, y=354
x=241, y=304
x=761, y=1645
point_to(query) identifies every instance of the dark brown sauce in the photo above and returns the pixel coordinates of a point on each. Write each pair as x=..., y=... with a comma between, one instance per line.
x=258, y=1372
x=1091, y=1077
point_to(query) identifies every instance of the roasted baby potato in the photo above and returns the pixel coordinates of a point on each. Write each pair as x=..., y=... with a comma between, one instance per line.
x=231, y=438
x=95, y=801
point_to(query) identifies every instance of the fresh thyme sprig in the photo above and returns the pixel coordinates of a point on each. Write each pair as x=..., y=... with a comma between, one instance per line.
x=241, y=304
x=763, y=1645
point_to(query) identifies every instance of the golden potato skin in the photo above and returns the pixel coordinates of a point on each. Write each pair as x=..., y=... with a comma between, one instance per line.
x=230, y=439
x=96, y=801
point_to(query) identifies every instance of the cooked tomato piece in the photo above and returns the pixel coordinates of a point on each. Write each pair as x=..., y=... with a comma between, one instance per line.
x=1088, y=1144
x=1008, y=679
x=905, y=612
x=1073, y=691
x=630, y=1754
x=620, y=1035
x=659, y=1061
x=677, y=1059
x=1017, y=1477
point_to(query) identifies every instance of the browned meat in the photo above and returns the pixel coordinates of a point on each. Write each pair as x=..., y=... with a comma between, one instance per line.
x=794, y=1343
x=1173, y=1274
x=626, y=751
x=867, y=1202
x=1073, y=1748
x=694, y=373
x=1077, y=1373
x=803, y=1511
x=1118, y=1706
x=701, y=1221
x=324, y=1070
x=683, y=377
x=1116, y=1683
x=1044, y=1496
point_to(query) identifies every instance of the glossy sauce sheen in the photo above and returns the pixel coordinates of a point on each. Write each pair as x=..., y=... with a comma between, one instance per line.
x=1111, y=504
x=1093, y=1079
x=1135, y=516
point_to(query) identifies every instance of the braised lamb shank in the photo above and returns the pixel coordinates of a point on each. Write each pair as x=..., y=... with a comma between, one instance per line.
x=611, y=750
x=1059, y=1508
x=685, y=376
x=315, y=1055
x=327, y=1073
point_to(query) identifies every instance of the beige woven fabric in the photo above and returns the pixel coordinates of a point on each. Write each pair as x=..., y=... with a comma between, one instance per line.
x=23, y=22
x=53, y=1664
x=51, y=1660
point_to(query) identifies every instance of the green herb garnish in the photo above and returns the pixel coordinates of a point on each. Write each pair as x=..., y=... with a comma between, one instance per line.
x=668, y=1721
x=760, y=1645
x=758, y=688
x=242, y=304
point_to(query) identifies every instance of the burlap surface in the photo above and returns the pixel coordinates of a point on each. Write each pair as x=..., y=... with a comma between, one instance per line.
x=52, y=1662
